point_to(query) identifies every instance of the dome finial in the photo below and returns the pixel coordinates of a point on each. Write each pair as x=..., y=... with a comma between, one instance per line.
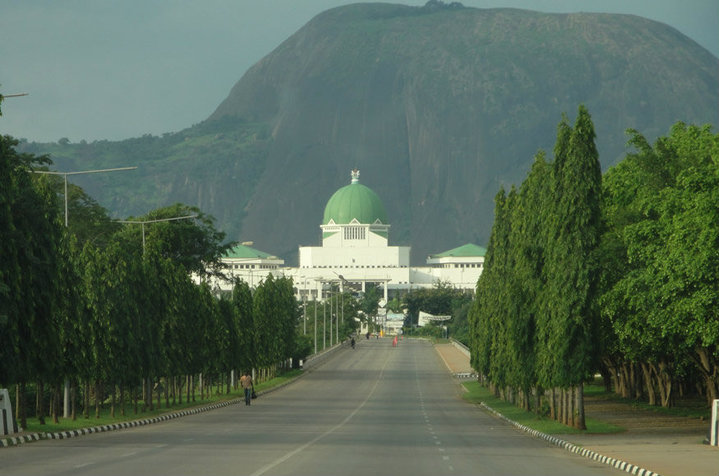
x=355, y=176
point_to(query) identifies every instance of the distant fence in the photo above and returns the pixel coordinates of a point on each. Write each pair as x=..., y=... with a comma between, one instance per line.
x=463, y=348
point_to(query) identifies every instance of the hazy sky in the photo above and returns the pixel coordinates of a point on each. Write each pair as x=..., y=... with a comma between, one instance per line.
x=101, y=69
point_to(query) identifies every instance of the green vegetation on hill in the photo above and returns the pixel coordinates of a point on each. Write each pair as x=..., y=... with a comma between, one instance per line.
x=210, y=162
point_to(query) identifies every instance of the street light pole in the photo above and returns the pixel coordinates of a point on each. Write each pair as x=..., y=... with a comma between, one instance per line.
x=331, y=321
x=143, y=222
x=303, y=292
x=324, y=324
x=66, y=390
x=65, y=174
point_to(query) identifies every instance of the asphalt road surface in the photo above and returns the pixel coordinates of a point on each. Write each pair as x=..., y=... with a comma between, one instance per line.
x=375, y=410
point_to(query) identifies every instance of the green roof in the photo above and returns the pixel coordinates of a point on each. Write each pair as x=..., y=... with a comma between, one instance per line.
x=463, y=251
x=355, y=202
x=243, y=251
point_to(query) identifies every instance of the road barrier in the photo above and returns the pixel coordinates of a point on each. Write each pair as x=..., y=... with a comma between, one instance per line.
x=8, y=426
x=714, y=433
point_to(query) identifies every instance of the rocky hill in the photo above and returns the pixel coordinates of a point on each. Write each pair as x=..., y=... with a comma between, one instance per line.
x=438, y=106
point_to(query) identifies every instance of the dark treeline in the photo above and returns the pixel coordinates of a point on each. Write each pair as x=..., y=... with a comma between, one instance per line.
x=121, y=311
x=616, y=275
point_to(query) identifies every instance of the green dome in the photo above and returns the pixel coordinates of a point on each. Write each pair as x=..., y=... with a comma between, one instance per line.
x=355, y=201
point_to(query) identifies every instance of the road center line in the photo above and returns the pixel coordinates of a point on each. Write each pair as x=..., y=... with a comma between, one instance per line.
x=314, y=440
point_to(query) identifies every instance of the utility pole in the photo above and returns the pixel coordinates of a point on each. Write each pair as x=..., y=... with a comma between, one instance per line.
x=143, y=222
x=66, y=393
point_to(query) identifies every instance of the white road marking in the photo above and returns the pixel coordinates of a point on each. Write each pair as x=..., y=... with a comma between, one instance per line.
x=314, y=440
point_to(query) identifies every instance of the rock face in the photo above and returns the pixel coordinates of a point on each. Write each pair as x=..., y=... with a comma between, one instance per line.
x=439, y=107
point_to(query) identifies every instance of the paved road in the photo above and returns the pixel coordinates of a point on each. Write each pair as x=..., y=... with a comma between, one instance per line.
x=375, y=410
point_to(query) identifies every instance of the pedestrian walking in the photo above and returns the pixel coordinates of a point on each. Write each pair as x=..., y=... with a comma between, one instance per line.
x=246, y=382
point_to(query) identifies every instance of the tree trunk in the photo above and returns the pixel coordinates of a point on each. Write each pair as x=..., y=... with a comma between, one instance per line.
x=22, y=410
x=624, y=378
x=73, y=400
x=97, y=398
x=159, y=393
x=660, y=384
x=56, y=407
x=112, y=401
x=580, y=420
x=538, y=401
x=167, y=392
x=51, y=402
x=710, y=371
x=189, y=381
x=149, y=394
x=86, y=400
x=666, y=384
x=122, y=399
x=649, y=384
x=145, y=392
x=39, y=407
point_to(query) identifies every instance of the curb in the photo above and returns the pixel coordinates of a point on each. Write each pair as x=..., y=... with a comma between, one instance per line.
x=572, y=448
x=61, y=435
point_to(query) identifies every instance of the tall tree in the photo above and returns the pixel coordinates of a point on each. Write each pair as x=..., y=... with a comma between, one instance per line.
x=242, y=302
x=487, y=301
x=661, y=212
x=571, y=270
x=29, y=292
x=526, y=282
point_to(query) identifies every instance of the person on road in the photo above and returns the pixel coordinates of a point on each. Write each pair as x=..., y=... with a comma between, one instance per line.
x=246, y=382
x=353, y=342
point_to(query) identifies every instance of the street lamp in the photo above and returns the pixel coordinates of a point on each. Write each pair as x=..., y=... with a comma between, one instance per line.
x=143, y=222
x=66, y=390
x=324, y=324
x=303, y=293
x=65, y=174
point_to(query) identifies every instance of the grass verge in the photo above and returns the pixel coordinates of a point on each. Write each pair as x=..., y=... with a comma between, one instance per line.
x=67, y=424
x=477, y=394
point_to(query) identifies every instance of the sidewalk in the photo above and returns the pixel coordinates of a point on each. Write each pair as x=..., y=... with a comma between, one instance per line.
x=676, y=450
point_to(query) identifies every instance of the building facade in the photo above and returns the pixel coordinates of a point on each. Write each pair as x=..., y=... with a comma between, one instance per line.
x=355, y=251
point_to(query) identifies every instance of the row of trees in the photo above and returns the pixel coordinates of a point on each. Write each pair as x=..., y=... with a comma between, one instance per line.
x=533, y=323
x=617, y=276
x=659, y=260
x=114, y=308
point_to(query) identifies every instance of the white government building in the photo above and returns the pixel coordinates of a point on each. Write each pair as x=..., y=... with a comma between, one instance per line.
x=355, y=251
